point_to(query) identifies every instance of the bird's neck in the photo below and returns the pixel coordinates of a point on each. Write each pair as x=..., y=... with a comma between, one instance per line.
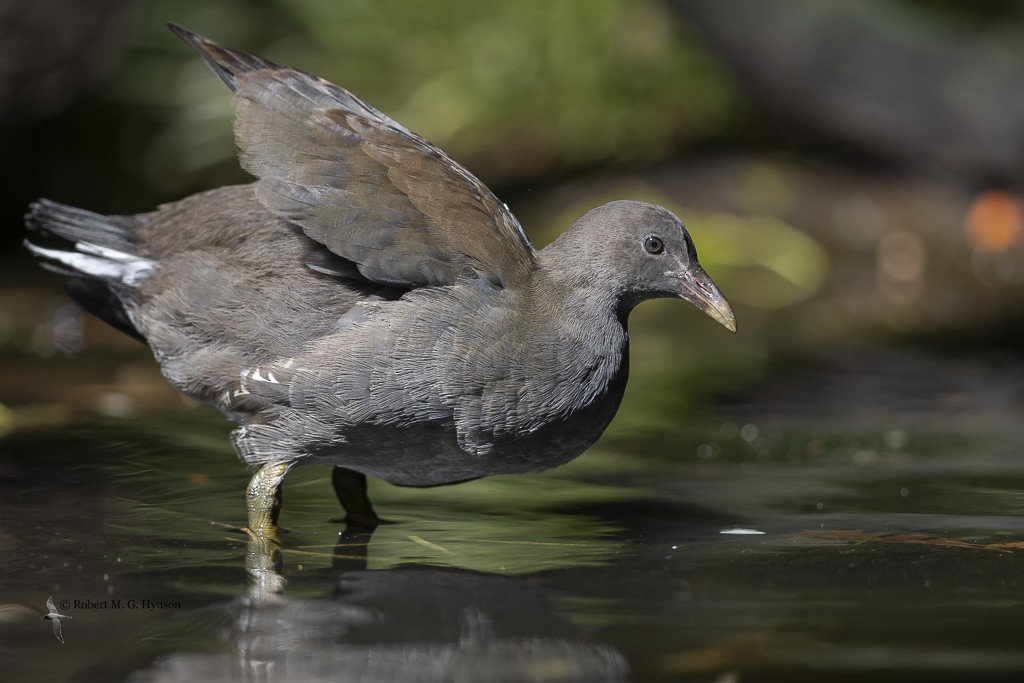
x=579, y=335
x=588, y=309
x=568, y=277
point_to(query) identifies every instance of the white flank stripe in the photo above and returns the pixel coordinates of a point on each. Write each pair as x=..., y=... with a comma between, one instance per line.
x=257, y=374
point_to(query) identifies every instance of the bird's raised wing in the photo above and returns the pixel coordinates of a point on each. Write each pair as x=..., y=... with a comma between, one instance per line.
x=49, y=605
x=360, y=183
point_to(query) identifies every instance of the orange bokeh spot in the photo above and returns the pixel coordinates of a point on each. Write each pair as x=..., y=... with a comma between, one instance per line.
x=995, y=220
x=197, y=478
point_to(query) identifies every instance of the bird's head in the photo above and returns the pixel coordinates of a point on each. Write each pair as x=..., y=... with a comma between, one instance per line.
x=639, y=251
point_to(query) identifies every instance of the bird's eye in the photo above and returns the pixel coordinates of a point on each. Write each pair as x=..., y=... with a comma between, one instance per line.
x=653, y=244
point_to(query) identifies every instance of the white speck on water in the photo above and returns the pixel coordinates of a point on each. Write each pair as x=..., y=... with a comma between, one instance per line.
x=739, y=531
x=819, y=506
x=904, y=492
x=675, y=547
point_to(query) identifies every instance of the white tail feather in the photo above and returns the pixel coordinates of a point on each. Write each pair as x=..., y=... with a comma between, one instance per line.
x=101, y=262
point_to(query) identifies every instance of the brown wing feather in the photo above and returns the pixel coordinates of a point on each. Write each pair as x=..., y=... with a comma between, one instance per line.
x=361, y=184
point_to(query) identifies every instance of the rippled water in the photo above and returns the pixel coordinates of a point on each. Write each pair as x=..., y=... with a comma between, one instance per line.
x=889, y=546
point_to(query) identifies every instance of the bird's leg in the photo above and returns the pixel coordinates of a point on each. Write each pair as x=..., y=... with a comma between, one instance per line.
x=350, y=487
x=263, y=555
x=263, y=498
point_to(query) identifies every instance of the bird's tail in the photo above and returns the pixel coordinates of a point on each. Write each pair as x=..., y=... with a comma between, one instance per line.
x=101, y=247
x=99, y=253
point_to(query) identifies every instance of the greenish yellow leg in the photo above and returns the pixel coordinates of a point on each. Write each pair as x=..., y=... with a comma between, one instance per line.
x=263, y=498
x=350, y=487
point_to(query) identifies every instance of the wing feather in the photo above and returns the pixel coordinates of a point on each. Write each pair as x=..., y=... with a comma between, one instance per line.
x=372, y=192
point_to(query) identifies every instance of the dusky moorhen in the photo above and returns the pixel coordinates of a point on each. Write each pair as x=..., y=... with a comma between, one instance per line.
x=370, y=304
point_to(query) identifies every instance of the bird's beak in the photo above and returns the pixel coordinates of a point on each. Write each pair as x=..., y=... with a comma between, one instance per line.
x=697, y=288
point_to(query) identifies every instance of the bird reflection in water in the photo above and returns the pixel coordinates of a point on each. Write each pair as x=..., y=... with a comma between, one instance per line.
x=412, y=623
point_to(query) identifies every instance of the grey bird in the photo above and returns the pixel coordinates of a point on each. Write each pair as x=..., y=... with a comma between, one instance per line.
x=54, y=617
x=368, y=303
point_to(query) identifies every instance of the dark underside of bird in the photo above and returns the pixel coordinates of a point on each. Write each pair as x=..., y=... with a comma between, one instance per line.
x=368, y=303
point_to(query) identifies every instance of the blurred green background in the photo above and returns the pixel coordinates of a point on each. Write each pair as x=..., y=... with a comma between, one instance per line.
x=850, y=170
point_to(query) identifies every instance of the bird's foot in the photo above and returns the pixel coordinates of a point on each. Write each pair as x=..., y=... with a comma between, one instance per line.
x=350, y=487
x=263, y=535
x=231, y=528
x=362, y=521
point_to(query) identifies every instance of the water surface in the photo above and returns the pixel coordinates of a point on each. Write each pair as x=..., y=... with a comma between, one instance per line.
x=888, y=546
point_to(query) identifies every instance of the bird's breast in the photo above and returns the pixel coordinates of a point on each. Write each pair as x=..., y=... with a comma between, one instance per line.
x=451, y=390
